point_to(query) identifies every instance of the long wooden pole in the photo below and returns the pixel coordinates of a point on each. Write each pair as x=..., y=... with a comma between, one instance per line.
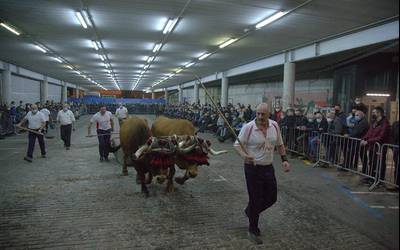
x=30, y=130
x=220, y=113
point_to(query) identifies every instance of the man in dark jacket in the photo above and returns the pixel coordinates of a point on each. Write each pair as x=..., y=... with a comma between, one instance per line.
x=320, y=127
x=352, y=153
x=379, y=132
x=395, y=137
x=335, y=127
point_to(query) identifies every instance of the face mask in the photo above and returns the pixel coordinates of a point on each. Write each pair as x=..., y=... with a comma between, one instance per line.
x=65, y=109
x=34, y=111
x=357, y=118
x=357, y=102
x=373, y=117
x=319, y=120
x=277, y=110
x=310, y=120
x=329, y=119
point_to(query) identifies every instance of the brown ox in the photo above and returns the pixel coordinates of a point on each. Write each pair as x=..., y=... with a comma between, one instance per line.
x=164, y=127
x=134, y=133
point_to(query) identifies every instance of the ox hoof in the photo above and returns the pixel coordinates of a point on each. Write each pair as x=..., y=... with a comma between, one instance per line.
x=180, y=180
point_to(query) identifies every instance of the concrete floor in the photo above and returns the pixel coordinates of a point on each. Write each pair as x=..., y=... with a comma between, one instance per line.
x=71, y=200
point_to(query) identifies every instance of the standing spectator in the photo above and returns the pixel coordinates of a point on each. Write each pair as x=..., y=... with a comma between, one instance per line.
x=36, y=123
x=321, y=126
x=379, y=132
x=360, y=128
x=46, y=114
x=66, y=119
x=335, y=127
x=277, y=115
x=13, y=116
x=395, y=136
x=358, y=105
x=342, y=117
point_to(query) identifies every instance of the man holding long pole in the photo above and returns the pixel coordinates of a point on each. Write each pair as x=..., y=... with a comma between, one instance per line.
x=66, y=119
x=256, y=144
x=36, y=123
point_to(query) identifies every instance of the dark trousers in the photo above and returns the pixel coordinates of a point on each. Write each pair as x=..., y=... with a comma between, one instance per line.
x=370, y=161
x=65, y=131
x=104, y=142
x=396, y=165
x=262, y=190
x=31, y=145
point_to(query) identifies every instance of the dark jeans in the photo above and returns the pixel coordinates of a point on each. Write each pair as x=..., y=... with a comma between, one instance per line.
x=104, y=142
x=370, y=162
x=31, y=145
x=262, y=190
x=65, y=131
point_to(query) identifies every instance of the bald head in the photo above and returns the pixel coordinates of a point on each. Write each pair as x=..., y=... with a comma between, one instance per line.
x=262, y=114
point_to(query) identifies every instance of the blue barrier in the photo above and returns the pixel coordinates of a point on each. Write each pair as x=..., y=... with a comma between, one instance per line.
x=101, y=100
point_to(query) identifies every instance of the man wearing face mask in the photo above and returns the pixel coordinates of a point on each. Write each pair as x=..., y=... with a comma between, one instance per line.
x=321, y=126
x=358, y=131
x=36, y=122
x=259, y=138
x=66, y=119
x=335, y=127
x=358, y=105
x=277, y=114
x=104, y=125
x=379, y=132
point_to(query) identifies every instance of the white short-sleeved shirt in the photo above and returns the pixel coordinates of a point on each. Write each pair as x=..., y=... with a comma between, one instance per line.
x=121, y=113
x=35, y=121
x=103, y=122
x=258, y=145
x=46, y=113
x=65, y=118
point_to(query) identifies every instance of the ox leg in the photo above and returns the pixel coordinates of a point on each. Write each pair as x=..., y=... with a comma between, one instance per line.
x=149, y=178
x=142, y=177
x=170, y=183
x=181, y=180
x=125, y=166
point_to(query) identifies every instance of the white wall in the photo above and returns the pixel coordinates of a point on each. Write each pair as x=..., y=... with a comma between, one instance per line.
x=24, y=89
x=54, y=93
x=317, y=91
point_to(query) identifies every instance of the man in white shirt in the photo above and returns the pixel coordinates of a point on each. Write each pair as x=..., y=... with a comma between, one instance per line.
x=259, y=139
x=104, y=125
x=66, y=119
x=121, y=113
x=46, y=114
x=36, y=122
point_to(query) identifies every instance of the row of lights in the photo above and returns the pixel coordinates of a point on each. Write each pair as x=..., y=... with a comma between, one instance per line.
x=226, y=43
x=168, y=28
x=84, y=20
x=45, y=50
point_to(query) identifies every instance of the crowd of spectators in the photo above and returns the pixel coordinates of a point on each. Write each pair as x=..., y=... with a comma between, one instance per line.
x=302, y=131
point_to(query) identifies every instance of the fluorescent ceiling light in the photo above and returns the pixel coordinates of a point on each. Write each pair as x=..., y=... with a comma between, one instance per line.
x=69, y=67
x=106, y=65
x=146, y=66
x=157, y=47
x=271, y=19
x=204, y=56
x=150, y=58
x=11, y=29
x=178, y=71
x=229, y=42
x=58, y=59
x=95, y=45
x=41, y=48
x=169, y=26
x=189, y=65
x=77, y=72
x=378, y=94
x=101, y=57
x=81, y=19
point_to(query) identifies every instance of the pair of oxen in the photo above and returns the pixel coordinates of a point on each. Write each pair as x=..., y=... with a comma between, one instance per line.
x=155, y=152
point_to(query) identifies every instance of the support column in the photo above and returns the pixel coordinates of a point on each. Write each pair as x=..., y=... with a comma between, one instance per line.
x=153, y=95
x=196, y=93
x=224, y=91
x=76, y=92
x=6, y=87
x=44, y=90
x=180, y=94
x=289, y=73
x=166, y=95
x=64, y=94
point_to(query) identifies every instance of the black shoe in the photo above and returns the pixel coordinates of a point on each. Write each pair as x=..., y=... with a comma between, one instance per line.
x=43, y=156
x=255, y=238
x=101, y=159
x=28, y=159
x=67, y=148
x=106, y=159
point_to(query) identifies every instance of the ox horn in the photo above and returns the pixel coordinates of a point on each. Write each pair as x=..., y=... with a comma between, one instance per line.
x=141, y=150
x=215, y=153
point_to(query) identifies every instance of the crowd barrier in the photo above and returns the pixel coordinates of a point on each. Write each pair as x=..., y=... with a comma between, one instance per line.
x=376, y=163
